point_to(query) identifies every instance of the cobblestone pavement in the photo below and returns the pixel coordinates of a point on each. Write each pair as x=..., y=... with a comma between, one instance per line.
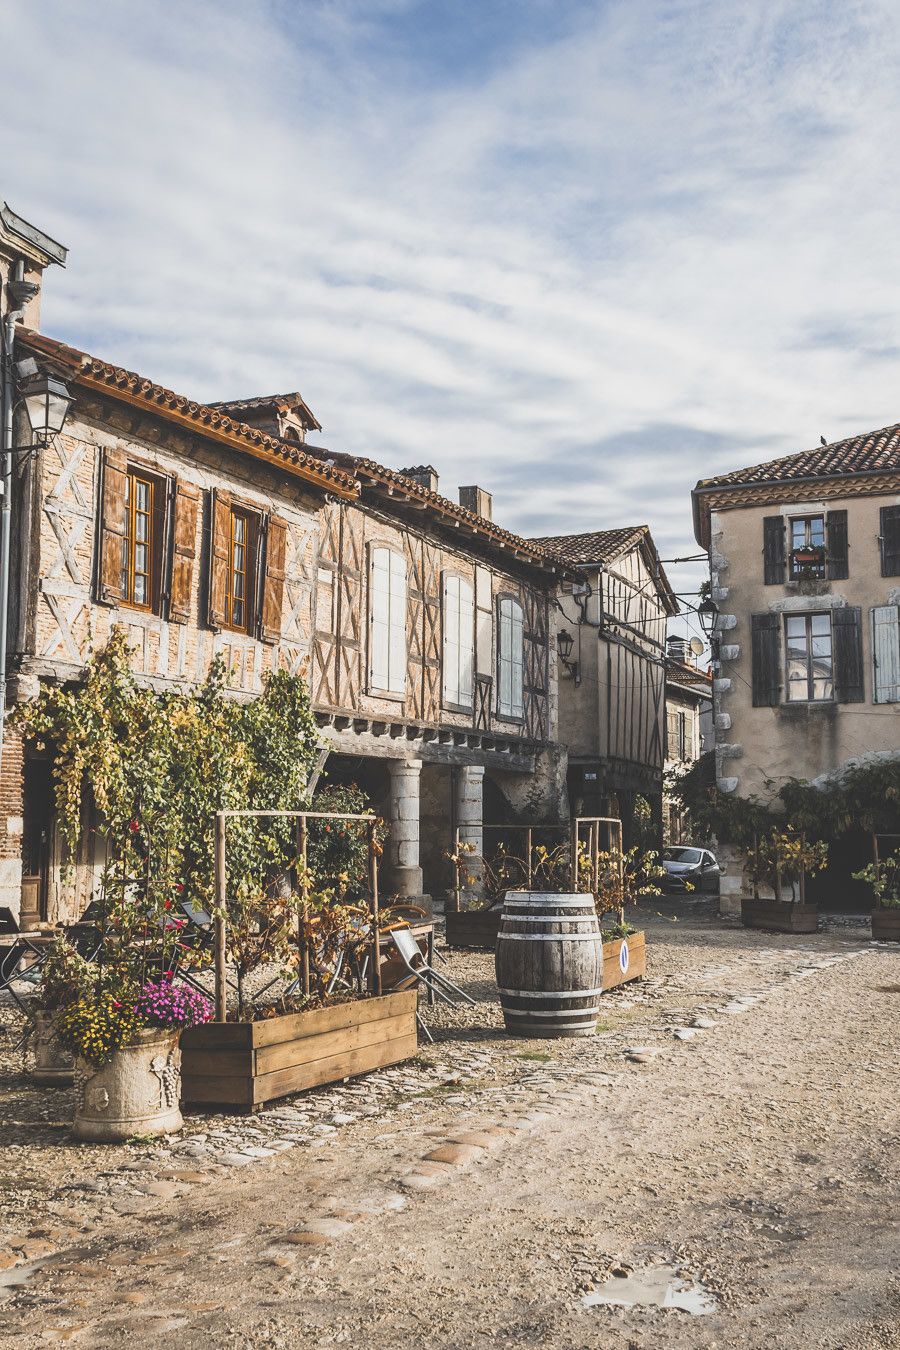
x=736, y=1116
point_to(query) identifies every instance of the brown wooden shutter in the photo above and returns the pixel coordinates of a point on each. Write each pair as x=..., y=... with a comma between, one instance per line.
x=890, y=541
x=273, y=581
x=113, y=518
x=774, y=561
x=184, y=550
x=848, y=660
x=766, y=645
x=837, y=564
x=219, y=545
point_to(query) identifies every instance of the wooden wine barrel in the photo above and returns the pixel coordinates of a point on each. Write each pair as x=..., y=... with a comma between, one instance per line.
x=549, y=964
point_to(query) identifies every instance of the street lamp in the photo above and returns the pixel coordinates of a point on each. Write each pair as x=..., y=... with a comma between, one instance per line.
x=707, y=613
x=564, y=644
x=47, y=402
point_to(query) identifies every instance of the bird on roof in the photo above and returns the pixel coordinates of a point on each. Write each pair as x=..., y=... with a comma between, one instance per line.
x=822, y=440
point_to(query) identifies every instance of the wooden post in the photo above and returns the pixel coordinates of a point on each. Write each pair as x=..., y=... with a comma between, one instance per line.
x=528, y=847
x=221, y=986
x=595, y=859
x=457, y=891
x=802, y=873
x=304, y=907
x=375, y=976
x=574, y=860
x=755, y=866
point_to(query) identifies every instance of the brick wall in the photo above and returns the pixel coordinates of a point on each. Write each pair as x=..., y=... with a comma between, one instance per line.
x=11, y=812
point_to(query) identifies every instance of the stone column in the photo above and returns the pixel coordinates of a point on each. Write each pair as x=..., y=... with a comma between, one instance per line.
x=469, y=809
x=402, y=874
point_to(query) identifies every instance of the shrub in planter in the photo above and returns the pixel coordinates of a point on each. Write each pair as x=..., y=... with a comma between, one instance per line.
x=883, y=878
x=780, y=859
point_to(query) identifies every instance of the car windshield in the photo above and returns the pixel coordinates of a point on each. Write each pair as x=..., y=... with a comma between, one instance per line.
x=683, y=855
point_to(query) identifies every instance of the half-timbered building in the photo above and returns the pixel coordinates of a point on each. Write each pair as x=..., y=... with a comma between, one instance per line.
x=612, y=666
x=204, y=530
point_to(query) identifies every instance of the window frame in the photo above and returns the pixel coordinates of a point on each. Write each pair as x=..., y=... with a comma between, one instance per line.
x=392, y=689
x=509, y=713
x=451, y=704
x=808, y=617
x=804, y=572
x=252, y=519
x=156, y=516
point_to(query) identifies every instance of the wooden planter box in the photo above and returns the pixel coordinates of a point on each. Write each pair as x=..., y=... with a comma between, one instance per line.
x=634, y=962
x=886, y=924
x=473, y=927
x=778, y=916
x=244, y=1064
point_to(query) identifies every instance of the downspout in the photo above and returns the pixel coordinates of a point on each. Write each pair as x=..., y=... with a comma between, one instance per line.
x=13, y=317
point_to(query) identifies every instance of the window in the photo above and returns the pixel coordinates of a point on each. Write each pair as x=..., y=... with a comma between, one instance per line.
x=509, y=657
x=677, y=729
x=810, y=673
x=807, y=547
x=239, y=577
x=459, y=635
x=137, y=545
x=387, y=621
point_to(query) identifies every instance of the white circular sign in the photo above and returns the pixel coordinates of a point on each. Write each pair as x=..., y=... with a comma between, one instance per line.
x=624, y=957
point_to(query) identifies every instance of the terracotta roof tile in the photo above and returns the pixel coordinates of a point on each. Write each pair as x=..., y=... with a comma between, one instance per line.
x=204, y=418
x=269, y=403
x=867, y=453
x=593, y=546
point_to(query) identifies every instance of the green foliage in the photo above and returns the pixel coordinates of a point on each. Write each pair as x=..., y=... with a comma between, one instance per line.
x=159, y=766
x=338, y=848
x=786, y=856
x=884, y=880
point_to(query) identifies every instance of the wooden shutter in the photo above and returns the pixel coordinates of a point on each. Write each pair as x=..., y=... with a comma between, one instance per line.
x=766, y=647
x=273, y=579
x=113, y=518
x=219, y=545
x=886, y=653
x=379, y=618
x=774, y=561
x=397, y=629
x=184, y=550
x=890, y=541
x=848, y=662
x=836, y=552
x=459, y=622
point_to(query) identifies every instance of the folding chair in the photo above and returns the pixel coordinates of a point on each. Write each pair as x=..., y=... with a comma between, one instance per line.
x=411, y=956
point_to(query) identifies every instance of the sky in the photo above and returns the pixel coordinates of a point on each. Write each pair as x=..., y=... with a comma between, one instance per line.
x=582, y=254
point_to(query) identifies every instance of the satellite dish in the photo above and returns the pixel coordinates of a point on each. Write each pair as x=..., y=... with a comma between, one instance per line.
x=697, y=646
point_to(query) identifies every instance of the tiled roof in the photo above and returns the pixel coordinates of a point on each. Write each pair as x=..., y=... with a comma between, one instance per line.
x=391, y=483
x=594, y=546
x=269, y=403
x=202, y=418
x=870, y=452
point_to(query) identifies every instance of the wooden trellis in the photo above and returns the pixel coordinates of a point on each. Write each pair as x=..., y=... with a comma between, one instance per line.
x=221, y=884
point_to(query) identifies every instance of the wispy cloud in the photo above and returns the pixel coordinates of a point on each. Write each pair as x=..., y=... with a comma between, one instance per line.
x=583, y=253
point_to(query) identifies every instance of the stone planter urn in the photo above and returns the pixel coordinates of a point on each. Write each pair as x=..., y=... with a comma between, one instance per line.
x=53, y=1063
x=137, y=1093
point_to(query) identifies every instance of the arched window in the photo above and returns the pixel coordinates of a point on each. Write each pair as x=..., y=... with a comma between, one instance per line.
x=387, y=621
x=459, y=641
x=510, y=657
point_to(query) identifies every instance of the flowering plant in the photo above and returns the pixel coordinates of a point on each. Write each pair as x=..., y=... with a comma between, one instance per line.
x=161, y=1003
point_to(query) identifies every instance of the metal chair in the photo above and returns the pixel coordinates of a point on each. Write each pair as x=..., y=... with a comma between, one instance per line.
x=411, y=955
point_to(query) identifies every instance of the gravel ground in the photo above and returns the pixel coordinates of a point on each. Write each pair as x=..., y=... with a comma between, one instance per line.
x=736, y=1117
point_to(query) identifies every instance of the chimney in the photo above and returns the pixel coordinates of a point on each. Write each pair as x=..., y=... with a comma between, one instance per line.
x=424, y=474
x=476, y=500
x=24, y=253
x=679, y=649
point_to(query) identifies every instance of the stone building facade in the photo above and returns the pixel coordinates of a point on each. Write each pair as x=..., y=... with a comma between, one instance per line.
x=805, y=570
x=688, y=729
x=421, y=625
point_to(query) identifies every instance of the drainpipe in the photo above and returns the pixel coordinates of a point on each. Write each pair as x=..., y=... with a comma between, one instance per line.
x=13, y=317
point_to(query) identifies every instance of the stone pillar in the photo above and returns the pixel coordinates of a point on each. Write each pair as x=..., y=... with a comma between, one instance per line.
x=402, y=874
x=469, y=809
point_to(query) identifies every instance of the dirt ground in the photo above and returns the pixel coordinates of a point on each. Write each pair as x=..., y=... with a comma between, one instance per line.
x=737, y=1117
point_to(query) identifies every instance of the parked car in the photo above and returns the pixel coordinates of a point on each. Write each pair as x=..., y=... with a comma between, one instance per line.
x=685, y=864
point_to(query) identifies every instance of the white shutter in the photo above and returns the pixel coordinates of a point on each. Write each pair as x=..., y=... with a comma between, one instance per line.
x=397, y=648
x=886, y=653
x=465, y=644
x=510, y=659
x=518, y=706
x=387, y=622
x=451, y=638
x=380, y=618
